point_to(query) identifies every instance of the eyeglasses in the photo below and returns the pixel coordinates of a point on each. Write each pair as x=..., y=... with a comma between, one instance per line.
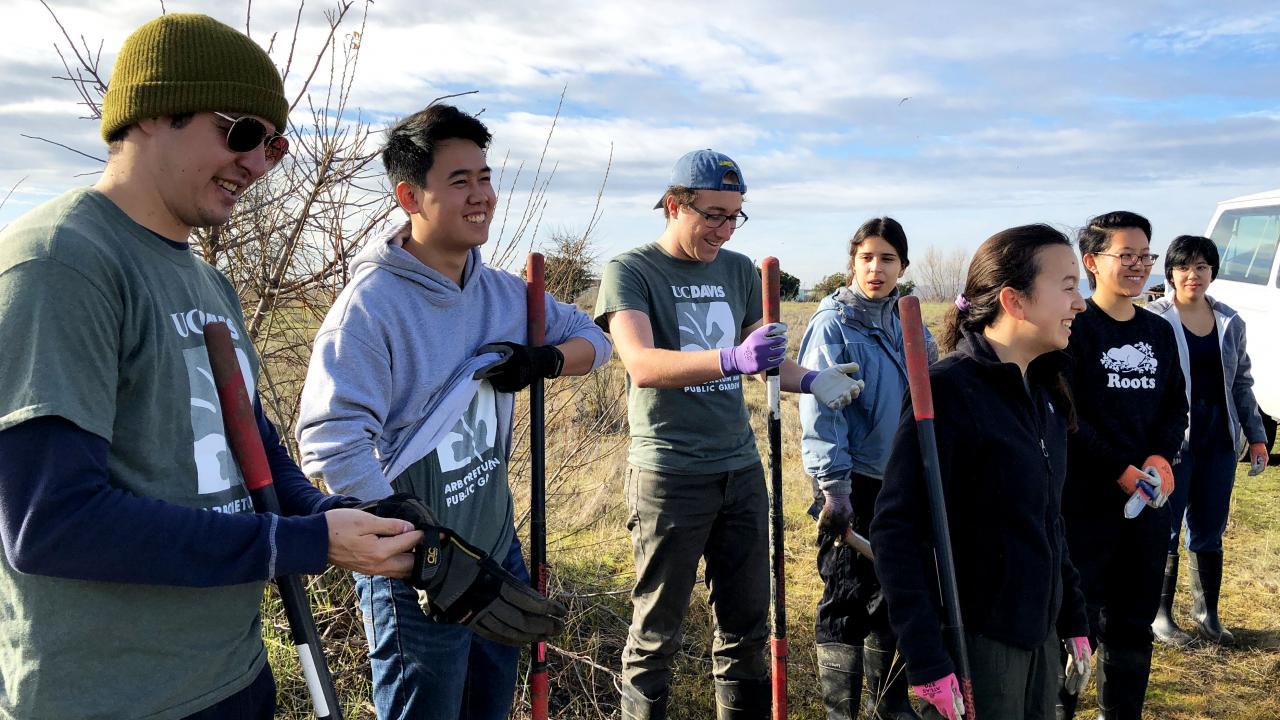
x=1128, y=259
x=247, y=133
x=716, y=220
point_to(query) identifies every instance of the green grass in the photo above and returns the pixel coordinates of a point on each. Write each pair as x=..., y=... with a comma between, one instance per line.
x=590, y=554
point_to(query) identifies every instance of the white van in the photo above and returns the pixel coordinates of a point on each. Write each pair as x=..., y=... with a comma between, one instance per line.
x=1247, y=232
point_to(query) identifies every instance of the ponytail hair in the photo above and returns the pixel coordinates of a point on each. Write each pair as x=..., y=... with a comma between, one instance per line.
x=1008, y=259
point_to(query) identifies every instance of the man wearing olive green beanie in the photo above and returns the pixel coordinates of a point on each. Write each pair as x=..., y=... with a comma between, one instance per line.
x=133, y=564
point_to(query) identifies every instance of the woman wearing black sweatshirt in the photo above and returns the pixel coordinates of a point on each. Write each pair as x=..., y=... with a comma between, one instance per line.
x=1132, y=407
x=1002, y=416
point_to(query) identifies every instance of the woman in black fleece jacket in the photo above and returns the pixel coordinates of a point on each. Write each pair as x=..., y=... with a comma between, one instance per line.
x=1002, y=416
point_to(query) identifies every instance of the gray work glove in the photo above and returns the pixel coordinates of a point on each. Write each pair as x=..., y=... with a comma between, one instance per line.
x=459, y=583
x=832, y=386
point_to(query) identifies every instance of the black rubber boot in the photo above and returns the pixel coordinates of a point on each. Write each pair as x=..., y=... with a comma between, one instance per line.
x=1122, y=681
x=635, y=706
x=1206, y=584
x=744, y=699
x=1165, y=627
x=886, y=696
x=840, y=675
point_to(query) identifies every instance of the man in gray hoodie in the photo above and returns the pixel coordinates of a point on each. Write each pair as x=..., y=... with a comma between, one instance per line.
x=392, y=403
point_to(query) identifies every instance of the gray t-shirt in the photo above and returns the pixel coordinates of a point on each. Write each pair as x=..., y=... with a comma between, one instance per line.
x=101, y=324
x=464, y=480
x=691, y=306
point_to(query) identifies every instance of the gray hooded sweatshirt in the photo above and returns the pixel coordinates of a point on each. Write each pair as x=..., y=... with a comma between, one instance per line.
x=390, y=403
x=1243, y=417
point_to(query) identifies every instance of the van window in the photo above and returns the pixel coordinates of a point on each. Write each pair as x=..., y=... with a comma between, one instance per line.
x=1246, y=241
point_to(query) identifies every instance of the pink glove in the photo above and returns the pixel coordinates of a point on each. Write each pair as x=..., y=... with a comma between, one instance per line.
x=944, y=695
x=761, y=350
x=1258, y=456
x=1078, y=667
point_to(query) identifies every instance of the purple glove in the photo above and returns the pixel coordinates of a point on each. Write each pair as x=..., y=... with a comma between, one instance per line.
x=761, y=350
x=835, y=514
x=944, y=695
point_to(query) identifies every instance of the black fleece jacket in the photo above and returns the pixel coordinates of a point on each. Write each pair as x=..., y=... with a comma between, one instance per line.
x=1131, y=403
x=1002, y=448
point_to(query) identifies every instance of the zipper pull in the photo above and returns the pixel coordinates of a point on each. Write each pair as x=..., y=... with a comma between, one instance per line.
x=1044, y=450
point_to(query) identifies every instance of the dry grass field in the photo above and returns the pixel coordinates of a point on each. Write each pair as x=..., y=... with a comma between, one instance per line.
x=590, y=557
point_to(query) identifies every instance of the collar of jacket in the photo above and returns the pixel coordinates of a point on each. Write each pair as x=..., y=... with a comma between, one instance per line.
x=1041, y=371
x=858, y=310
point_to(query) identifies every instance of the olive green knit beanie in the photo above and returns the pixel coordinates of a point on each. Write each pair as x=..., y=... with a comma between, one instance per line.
x=186, y=62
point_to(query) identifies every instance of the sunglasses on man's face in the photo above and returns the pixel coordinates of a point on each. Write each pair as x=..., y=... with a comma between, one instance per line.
x=245, y=135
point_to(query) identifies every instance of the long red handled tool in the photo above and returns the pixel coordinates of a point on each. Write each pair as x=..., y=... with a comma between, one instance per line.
x=922, y=404
x=539, y=689
x=769, y=276
x=246, y=447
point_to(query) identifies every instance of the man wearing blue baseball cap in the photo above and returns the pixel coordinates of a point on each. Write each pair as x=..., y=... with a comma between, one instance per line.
x=685, y=316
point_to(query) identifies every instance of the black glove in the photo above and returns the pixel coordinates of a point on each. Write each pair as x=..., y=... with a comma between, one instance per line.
x=520, y=365
x=459, y=583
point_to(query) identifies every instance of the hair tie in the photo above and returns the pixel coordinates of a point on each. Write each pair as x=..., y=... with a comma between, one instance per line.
x=962, y=303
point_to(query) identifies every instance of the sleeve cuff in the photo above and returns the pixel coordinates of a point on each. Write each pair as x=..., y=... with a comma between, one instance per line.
x=838, y=484
x=301, y=545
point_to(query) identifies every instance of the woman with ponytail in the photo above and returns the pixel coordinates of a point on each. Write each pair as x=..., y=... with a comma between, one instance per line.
x=845, y=452
x=1002, y=414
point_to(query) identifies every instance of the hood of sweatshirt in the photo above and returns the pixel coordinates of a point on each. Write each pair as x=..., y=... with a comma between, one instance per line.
x=388, y=253
x=857, y=310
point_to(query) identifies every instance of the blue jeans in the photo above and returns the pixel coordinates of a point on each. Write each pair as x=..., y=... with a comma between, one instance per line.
x=1204, y=477
x=424, y=670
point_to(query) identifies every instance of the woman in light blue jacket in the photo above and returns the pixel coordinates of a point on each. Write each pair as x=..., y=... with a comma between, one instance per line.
x=845, y=452
x=1225, y=423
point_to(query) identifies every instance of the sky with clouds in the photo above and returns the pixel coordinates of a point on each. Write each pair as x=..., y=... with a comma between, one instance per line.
x=957, y=119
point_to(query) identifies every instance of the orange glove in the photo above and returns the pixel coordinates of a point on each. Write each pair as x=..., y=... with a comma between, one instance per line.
x=1163, y=467
x=1258, y=456
x=1153, y=494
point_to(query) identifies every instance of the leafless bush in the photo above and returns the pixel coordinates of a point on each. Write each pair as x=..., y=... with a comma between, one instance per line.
x=939, y=275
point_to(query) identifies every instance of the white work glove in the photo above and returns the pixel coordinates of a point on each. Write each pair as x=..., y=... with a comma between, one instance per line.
x=1078, y=667
x=832, y=386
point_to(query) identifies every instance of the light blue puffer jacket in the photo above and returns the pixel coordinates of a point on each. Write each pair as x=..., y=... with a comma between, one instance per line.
x=848, y=327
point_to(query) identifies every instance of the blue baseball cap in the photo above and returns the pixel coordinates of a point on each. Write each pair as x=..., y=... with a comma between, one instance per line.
x=706, y=170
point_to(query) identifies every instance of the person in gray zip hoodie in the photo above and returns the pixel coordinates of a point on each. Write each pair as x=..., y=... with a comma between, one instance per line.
x=1224, y=424
x=845, y=452
x=410, y=390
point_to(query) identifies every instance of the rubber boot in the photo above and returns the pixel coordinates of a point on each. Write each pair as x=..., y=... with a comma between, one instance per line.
x=886, y=696
x=840, y=675
x=635, y=706
x=744, y=699
x=1122, y=681
x=1165, y=628
x=1206, y=584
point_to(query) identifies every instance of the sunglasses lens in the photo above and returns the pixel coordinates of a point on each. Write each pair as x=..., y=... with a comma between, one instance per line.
x=277, y=148
x=245, y=134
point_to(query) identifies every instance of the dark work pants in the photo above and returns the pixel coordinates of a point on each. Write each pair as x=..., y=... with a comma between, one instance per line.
x=1206, y=474
x=675, y=521
x=1011, y=683
x=851, y=605
x=256, y=702
x=1121, y=565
